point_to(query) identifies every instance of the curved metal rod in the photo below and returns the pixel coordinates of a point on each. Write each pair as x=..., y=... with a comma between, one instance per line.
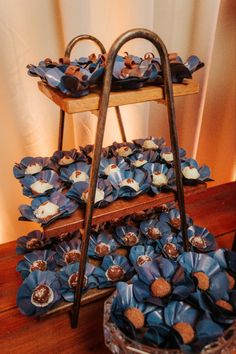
x=168, y=91
x=80, y=38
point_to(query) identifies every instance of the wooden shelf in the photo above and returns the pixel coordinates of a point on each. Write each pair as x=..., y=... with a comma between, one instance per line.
x=117, y=209
x=91, y=101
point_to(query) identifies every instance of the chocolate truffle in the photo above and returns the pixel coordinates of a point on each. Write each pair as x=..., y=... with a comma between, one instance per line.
x=72, y=256
x=38, y=265
x=135, y=316
x=231, y=281
x=130, y=239
x=73, y=279
x=143, y=259
x=42, y=295
x=115, y=273
x=102, y=249
x=160, y=287
x=198, y=242
x=153, y=233
x=171, y=250
x=225, y=305
x=33, y=244
x=175, y=223
x=203, y=280
x=185, y=330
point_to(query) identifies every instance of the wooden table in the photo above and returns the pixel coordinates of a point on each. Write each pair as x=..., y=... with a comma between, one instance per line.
x=214, y=208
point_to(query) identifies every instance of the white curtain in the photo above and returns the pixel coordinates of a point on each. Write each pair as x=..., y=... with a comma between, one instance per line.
x=31, y=31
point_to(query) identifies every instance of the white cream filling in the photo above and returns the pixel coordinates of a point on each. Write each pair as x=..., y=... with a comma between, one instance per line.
x=129, y=182
x=124, y=151
x=33, y=168
x=46, y=209
x=66, y=160
x=99, y=195
x=40, y=293
x=149, y=144
x=40, y=186
x=190, y=172
x=79, y=176
x=168, y=156
x=159, y=179
x=139, y=163
x=111, y=169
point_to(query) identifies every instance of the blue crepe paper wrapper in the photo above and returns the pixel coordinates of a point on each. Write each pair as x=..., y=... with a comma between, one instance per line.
x=103, y=238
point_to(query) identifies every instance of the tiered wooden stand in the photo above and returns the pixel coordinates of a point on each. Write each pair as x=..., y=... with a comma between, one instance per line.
x=98, y=103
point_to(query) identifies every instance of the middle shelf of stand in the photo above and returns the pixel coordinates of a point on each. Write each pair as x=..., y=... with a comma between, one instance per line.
x=117, y=209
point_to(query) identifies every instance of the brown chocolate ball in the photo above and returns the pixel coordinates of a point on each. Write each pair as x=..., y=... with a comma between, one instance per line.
x=171, y=250
x=130, y=239
x=72, y=256
x=225, y=305
x=33, y=244
x=38, y=265
x=160, y=287
x=175, y=223
x=203, y=280
x=143, y=259
x=135, y=316
x=231, y=281
x=102, y=249
x=73, y=279
x=185, y=330
x=198, y=242
x=115, y=273
x=154, y=233
x=41, y=294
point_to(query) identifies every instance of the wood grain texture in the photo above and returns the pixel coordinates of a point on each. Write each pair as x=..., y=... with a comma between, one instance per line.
x=117, y=209
x=215, y=208
x=91, y=101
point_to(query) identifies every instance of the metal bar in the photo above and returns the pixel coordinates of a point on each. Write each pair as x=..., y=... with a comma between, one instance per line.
x=157, y=42
x=80, y=38
x=68, y=50
x=121, y=126
x=61, y=129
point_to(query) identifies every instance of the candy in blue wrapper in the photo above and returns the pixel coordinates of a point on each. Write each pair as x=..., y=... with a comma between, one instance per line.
x=172, y=217
x=34, y=240
x=162, y=177
x=75, y=172
x=200, y=239
x=64, y=158
x=154, y=230
x=127, y=235
x=139, y=159
x=123, y=149
x=112, y=165
x=192, y=173
x=150, y=143
x=68, y=252
x=166, y=155
x=171, y=246
x=31, y=166
x=37, y=260
x=141, y=254
x=101, y=245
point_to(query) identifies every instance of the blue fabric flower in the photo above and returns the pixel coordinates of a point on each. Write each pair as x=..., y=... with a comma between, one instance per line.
x=38, y=293
x=141, y=254
x=37, y=260
x=113, y=268
x=68, y=277
x=200, y=239
x=207, y=275
x=68, y=252
x=167, y=156
x=46, y=209
x=154, y=230
x=131, y=183
x=101, y=245
x=128, y=314
x=123, y=149
x=150, y=143
x=227, y=262
x=172, y=217
x=31, y=166
x=191, y=329
x=75, y=172
x=88, y=152
x=127, y=235
x=139, y=159
x=192, y=173
x=105, y=192
x=162, y=177
x=41, y=184
x=34, y=240
x=171, y=246
x=66, y=158
x=161, y=280
x=112, y=165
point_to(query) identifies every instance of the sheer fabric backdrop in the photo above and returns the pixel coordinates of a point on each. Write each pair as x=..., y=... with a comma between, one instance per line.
x=30, y=31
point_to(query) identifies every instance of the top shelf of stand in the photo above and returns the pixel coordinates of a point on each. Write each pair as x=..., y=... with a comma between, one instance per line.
x=91, y=101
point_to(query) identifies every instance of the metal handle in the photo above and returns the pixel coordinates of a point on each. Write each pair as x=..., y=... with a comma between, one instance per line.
x=80, y=38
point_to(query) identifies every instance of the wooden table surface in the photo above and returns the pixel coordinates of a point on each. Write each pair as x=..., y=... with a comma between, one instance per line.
x=214, y=208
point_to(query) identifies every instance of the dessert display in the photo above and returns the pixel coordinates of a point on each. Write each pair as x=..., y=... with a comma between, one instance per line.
x=78, y=77
x=58, y=185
